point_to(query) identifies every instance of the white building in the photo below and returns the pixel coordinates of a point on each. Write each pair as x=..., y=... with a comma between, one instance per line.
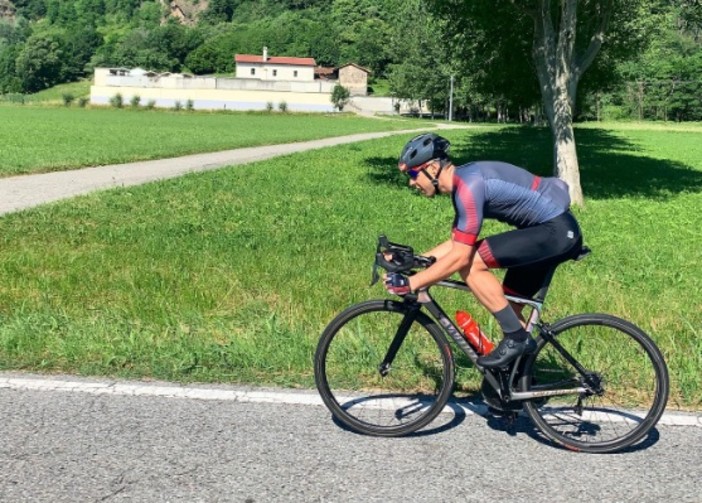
x=263, y=67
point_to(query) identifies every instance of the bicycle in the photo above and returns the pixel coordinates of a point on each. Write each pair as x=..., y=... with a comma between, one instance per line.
x=595, y=383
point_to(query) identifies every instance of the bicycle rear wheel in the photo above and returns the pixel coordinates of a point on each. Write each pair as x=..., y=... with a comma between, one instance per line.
x=372, y=399
x=622, y=375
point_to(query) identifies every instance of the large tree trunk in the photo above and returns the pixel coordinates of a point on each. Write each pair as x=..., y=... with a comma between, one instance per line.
x=558, y=100
x=559, y=69
x=565, y=159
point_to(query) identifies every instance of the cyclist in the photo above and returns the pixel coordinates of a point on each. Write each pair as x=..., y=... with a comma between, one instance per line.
x=546, y=234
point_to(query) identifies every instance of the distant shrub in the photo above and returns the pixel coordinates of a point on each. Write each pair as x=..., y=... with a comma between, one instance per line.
x=151, y=104
x=68, y=98
x=614, y=113
x=117, y=101
x=135, y=101
x=283, y=106
x=189, y=105
x=177, y=106
x=340, y=97
x=82, y=101
x=269, y=106
x=14, y=98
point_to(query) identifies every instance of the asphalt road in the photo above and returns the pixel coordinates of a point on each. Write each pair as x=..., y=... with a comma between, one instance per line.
x=77, y=446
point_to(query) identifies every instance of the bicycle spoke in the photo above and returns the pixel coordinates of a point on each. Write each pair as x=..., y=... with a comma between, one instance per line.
x=627, y=380
x=383, y=371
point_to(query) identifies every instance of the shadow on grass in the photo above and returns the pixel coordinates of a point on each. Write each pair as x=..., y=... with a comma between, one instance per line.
x=610, y=166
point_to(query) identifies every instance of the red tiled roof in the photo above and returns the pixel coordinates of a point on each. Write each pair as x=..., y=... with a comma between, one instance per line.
x=274, y=60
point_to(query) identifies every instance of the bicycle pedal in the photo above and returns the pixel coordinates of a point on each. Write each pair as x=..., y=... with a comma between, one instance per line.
x=496, y=411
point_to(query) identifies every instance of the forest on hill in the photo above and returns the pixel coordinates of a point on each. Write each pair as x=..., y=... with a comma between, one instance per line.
x=649, y=67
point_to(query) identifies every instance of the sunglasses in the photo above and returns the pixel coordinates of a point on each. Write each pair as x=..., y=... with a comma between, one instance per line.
x=414, y=172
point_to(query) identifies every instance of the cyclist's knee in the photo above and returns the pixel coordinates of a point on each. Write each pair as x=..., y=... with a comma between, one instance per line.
x=468, y=272
x=478, y=264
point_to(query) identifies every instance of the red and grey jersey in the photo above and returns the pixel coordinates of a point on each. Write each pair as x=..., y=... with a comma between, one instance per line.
x=501, y=191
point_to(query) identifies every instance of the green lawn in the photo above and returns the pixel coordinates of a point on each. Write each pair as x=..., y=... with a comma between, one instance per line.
x=54, y=95
x=40, y=139
x=231, y=275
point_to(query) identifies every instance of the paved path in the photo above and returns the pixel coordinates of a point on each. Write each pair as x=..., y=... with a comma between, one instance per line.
x=70, y=439
x=26, y=191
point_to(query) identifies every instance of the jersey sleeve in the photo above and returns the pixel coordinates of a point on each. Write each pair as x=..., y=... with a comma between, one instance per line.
x=468, y=202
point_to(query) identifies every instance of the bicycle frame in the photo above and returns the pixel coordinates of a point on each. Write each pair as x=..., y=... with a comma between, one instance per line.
x=496, y=378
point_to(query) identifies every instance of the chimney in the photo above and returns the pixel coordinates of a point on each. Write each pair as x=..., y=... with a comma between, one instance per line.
x=265, y=53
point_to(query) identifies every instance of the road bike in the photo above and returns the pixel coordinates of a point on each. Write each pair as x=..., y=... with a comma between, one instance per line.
x=595, y=382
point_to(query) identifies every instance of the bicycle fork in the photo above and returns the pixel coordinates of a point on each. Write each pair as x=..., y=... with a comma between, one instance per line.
x=402, y=331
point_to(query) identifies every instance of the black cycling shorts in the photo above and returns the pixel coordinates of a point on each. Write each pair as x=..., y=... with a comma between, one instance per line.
x=529, y=254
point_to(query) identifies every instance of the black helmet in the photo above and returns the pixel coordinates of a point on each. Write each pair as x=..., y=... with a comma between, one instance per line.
x=422, y=149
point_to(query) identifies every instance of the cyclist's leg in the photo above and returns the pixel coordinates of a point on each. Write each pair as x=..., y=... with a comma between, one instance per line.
x=484, y=284
x=533, y=252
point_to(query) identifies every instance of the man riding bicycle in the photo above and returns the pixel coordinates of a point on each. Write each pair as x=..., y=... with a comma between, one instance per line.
x=546, y=234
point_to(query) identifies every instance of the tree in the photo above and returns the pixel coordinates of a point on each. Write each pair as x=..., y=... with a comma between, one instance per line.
x=220, y=11
x=566, y=36
x=9, y=81
x=78, y=46
x=665, y=81
x=39, y=63
x=421, y=69
x=560, y=64
x=340, y=97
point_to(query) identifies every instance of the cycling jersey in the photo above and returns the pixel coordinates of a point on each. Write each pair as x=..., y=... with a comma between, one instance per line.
x=504, y=192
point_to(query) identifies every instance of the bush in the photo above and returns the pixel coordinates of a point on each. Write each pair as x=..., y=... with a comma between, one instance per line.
x=117, y=101
x=135, y=101
x=177, y=106
x=190, y=105
x=283, y=106
x=14, y=98
x=82, y=101
x=68, y=98
x=614, y=112
x=269, y=106
x=340, y=97
x=151, y=104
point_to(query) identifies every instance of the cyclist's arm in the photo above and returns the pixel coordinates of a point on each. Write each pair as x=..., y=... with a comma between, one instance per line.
x=440, y=250
x=459, y=255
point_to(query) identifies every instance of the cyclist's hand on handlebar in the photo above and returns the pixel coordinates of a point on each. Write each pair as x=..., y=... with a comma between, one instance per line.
x=397, y=284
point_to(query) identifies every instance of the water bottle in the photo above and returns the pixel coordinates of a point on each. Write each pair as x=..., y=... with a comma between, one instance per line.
x=471, y=331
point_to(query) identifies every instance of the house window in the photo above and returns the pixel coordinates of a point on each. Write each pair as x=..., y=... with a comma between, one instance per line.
x=275, y=73
x=295, y=73
x=253, y=71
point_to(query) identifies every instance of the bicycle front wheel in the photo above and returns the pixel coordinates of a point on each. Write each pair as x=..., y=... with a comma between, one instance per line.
x=620, y=374
x=374, y=389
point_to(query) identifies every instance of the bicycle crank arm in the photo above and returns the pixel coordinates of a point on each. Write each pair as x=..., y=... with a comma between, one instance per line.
x=530, y=395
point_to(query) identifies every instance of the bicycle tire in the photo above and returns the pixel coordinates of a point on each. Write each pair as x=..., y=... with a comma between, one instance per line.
x=410, y=396
x=623, y=358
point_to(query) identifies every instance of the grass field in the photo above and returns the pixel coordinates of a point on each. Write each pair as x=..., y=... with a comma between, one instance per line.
x=54, y=95
x=40, y=139
x=231, y=275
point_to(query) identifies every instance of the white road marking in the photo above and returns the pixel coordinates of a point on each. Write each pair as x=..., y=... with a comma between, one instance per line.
x=224, y=393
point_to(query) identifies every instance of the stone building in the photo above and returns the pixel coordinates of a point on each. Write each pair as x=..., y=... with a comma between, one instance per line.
x=354, y=78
